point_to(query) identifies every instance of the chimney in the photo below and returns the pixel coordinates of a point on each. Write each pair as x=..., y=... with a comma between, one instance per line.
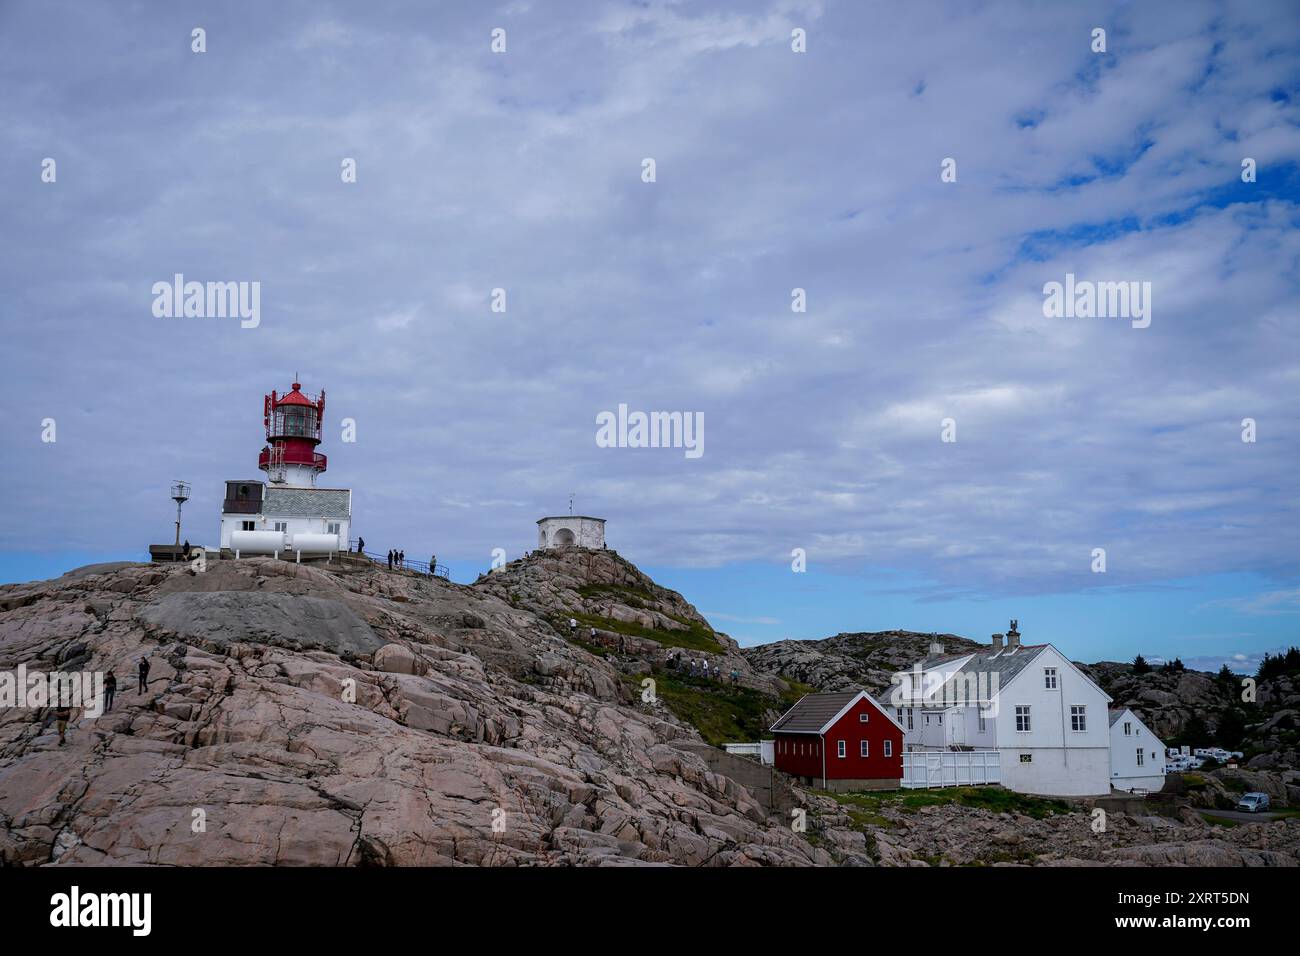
x=997, y=642
x=936, y=649
x=1013, y=634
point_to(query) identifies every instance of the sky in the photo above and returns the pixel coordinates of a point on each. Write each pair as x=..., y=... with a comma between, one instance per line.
x=774, y=170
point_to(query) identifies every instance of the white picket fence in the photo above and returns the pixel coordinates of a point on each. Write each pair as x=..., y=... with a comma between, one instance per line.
x=951, y=768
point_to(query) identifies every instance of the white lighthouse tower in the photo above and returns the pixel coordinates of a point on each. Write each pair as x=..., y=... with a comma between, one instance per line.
x=287, y=514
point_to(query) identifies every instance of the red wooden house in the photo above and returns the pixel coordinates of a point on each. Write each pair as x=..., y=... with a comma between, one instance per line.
x=841, y=741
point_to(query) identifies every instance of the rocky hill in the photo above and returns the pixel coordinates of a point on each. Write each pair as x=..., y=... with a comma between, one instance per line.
x=861, y=660
x=335, y=716
x=346, y=715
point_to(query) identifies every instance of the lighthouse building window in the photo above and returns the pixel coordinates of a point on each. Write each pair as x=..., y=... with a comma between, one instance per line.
x=248, y=525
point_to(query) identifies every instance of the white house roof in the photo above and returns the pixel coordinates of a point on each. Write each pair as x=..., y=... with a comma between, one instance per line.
x=1006, y=663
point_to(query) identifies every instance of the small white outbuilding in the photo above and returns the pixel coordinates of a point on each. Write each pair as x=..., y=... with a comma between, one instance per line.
x=1137, y=756
x=571, y=531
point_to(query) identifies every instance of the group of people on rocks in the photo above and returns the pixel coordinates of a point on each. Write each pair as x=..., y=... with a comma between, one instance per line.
x=397, y=562
x=692, y=667
x=63, y=710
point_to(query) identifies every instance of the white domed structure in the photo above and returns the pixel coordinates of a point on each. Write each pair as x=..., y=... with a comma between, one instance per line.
x=571, y=531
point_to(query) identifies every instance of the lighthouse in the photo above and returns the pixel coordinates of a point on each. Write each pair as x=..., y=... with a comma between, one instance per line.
x=287, y=514
x=292, y=423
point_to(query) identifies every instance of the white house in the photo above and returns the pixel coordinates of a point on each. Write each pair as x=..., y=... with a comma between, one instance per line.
x=1045, y=717
x=1137, y=756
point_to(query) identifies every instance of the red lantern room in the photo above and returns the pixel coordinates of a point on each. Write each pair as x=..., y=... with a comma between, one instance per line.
x=293, y=422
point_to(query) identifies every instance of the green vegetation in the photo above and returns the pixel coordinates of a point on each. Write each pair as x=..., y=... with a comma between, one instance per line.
x=1221, y=821
x=722, y=713
x=986, y=798
x=797, y=690
x=633, y=597
x=1280, y=665
x=696, y=636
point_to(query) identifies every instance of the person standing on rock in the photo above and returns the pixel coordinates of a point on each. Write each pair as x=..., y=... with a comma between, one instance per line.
x=622, y=644
x=144, y=674
x=401, y=559
x=110, y=688
x=62, y=714
x=433, y=565
x=390, y=559
x=573, y=628
x=361, y=545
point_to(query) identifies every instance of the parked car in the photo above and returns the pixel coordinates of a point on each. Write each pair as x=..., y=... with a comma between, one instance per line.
x=1253, y=802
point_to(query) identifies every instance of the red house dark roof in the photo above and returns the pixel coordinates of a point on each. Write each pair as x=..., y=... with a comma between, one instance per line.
x=814, y=713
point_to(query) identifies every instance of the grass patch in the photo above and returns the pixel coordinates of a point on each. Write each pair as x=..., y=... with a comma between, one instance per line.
x=633, y=597
x=797, y=690
x=1221, y=821
x=722, y=713
x=696, y=637
x=985, y=798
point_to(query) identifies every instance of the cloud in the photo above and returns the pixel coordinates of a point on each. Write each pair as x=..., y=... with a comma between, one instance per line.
x=775, y=171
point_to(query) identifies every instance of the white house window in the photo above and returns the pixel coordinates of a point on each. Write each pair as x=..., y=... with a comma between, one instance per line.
x=927, y=720
x=984, y=724
x=1023, y=725
x=282, y=526
x=941, y=720
x=1049, y=678
x=889, y=748
x=910, y=723
x=1128, y=728
x=900, y=715
x=864, y=749
x=1078, y=718
x=841, y=749
x=862, y=718
x=1141, y=757
x=332, y=528
x=1026, y=758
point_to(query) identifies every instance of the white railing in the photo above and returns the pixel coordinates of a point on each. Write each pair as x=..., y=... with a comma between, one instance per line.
x=762, y=751
x=951, y=768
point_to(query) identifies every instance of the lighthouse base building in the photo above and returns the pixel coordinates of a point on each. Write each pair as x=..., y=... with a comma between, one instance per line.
x=256, y=506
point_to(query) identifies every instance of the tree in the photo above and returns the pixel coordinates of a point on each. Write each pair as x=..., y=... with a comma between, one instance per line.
x=1231, y=729
x=1140, y=665
x=1226, y=676
x=1195, y=733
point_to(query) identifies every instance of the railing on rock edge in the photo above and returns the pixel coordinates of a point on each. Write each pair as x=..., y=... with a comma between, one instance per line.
x=417, y=567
